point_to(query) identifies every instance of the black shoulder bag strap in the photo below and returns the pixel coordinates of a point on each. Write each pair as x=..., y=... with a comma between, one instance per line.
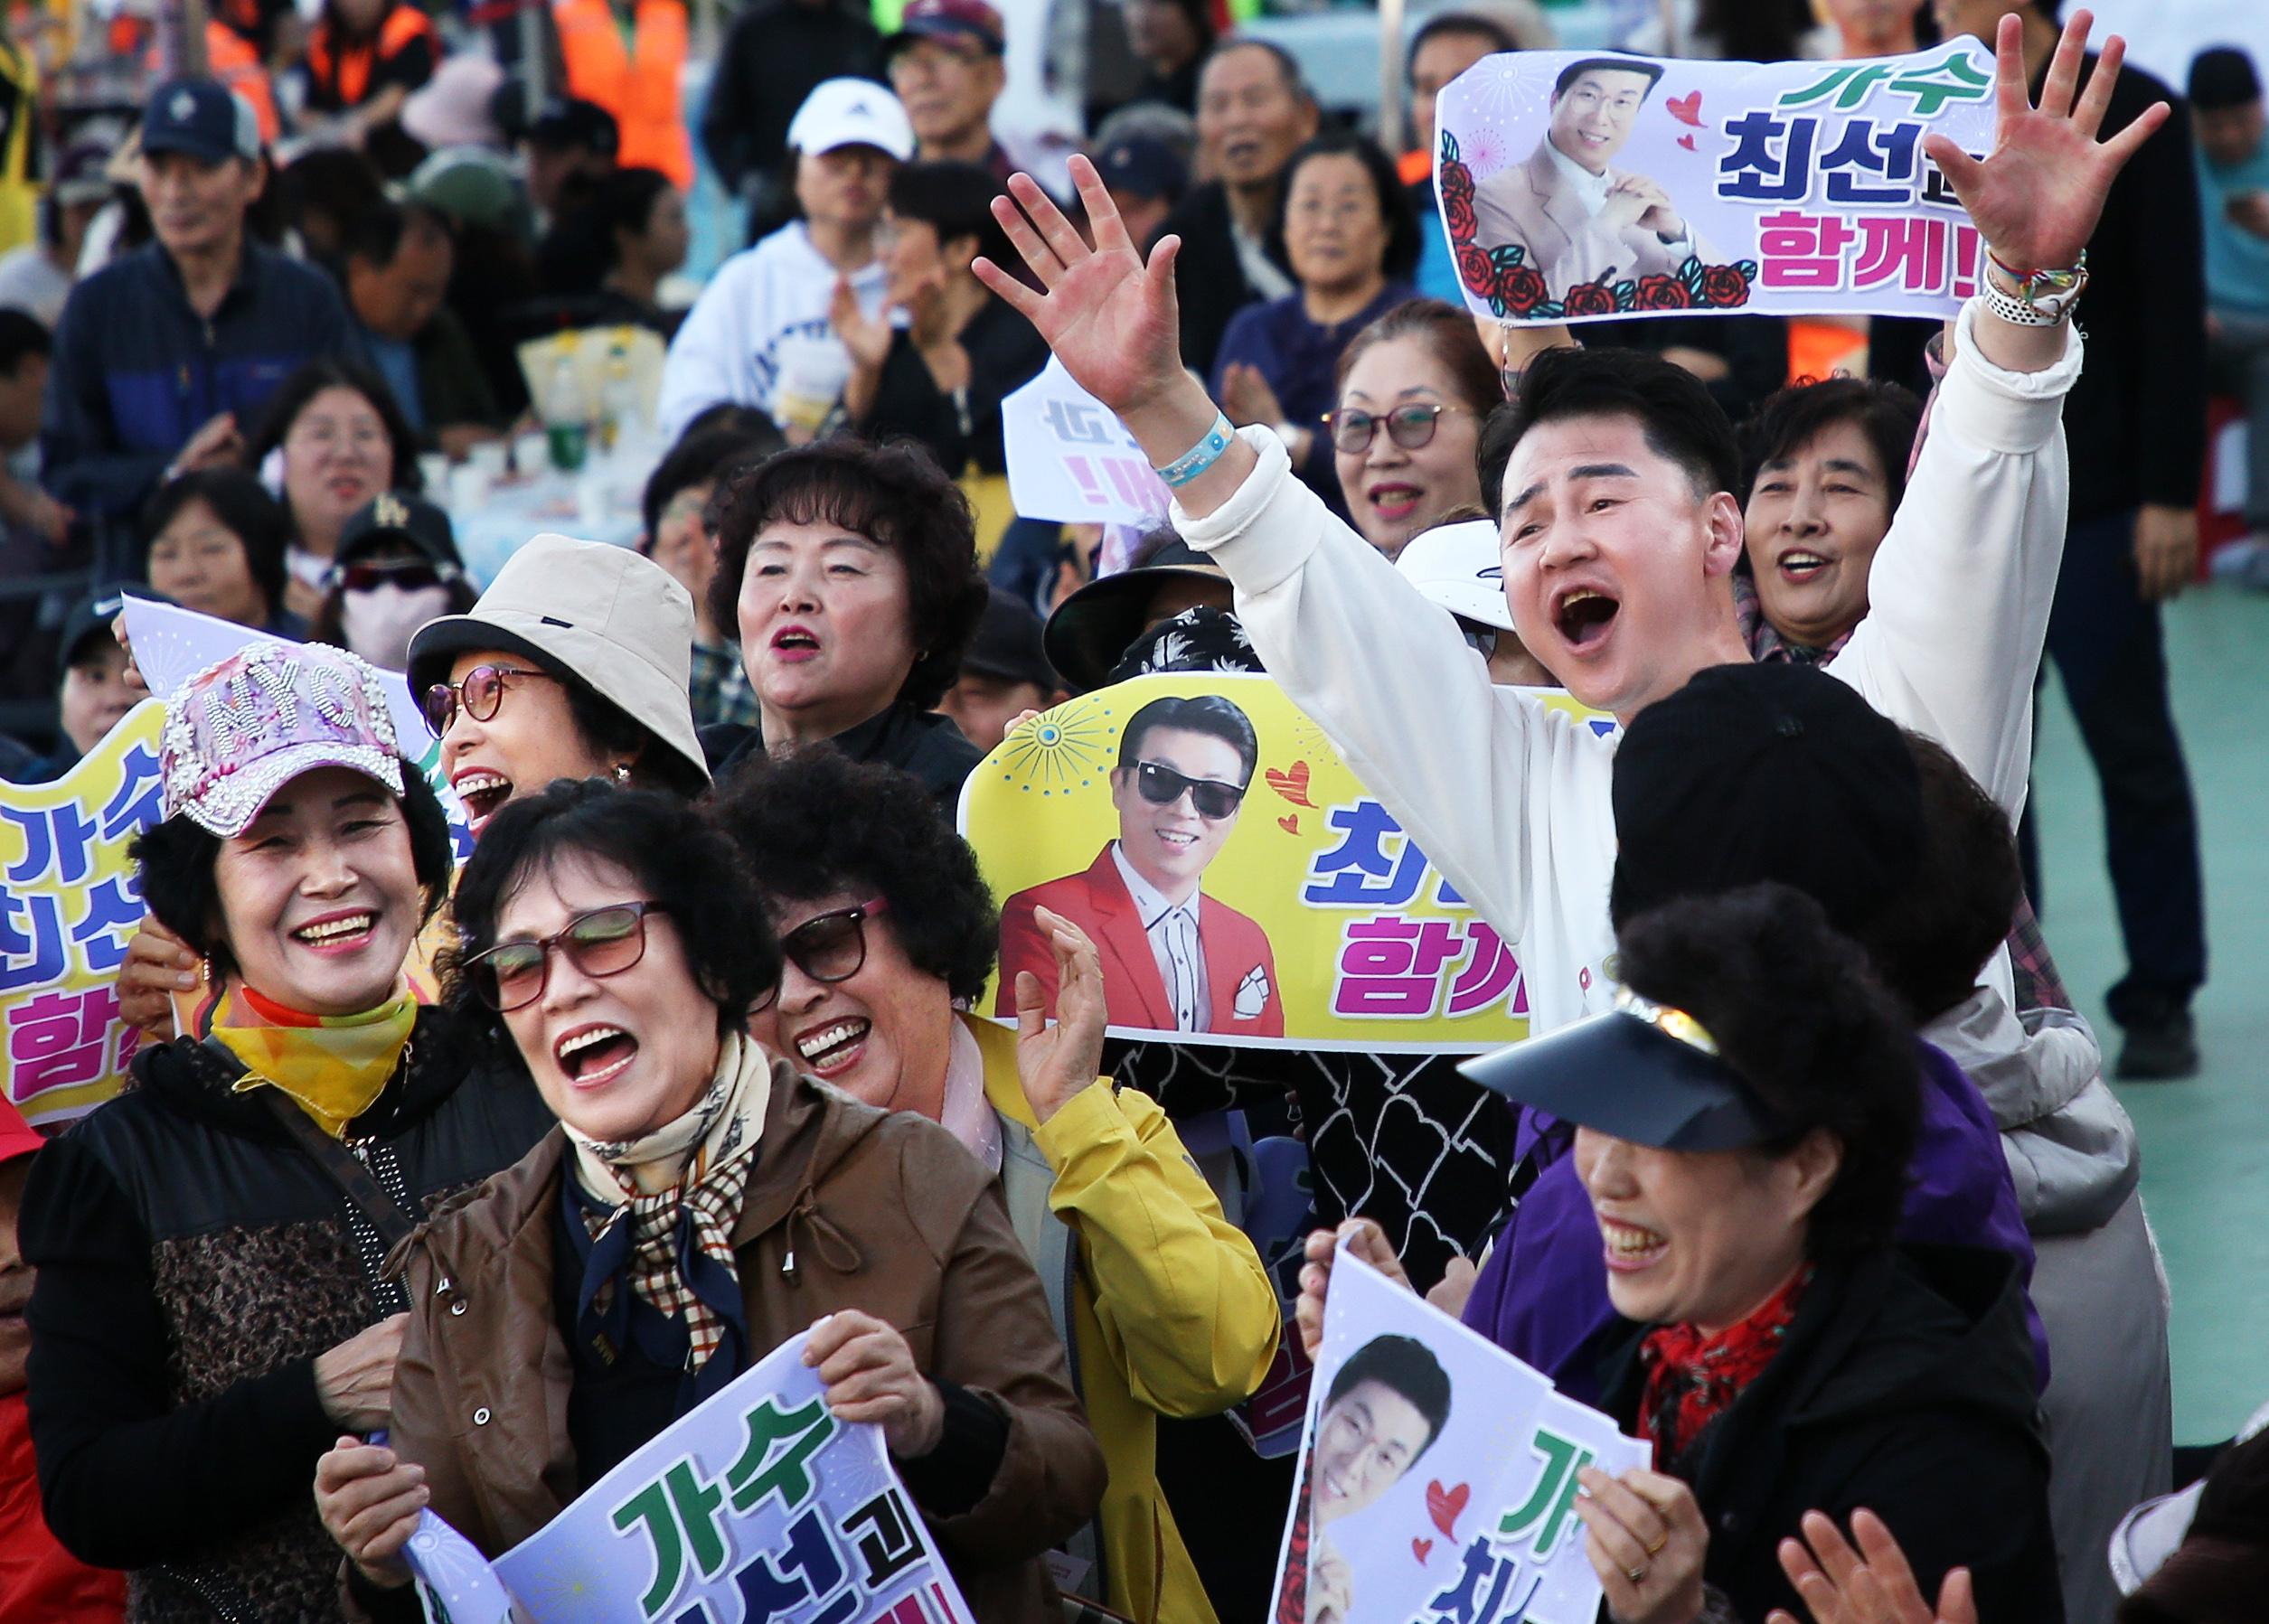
x=353, y=1179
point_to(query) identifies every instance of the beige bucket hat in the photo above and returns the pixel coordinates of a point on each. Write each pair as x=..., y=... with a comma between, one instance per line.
x=603, y=615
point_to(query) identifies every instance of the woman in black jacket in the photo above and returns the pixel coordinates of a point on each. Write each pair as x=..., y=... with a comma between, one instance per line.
x=211, y=1306
x=1745, y=1121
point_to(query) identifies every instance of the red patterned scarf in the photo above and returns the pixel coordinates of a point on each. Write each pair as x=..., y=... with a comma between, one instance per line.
x=1692, y=1378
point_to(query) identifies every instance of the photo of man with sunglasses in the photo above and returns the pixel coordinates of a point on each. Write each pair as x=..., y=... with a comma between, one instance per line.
x=1174, y=960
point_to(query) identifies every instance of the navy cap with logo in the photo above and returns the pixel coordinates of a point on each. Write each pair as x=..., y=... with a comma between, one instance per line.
x=202, y=118
x=972, y=20
x=400, y=516
x=88, y=616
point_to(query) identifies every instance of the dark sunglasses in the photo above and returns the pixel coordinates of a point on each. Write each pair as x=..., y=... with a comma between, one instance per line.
x=480, y=692
x=411, y=574
x=828, y=947
x=1408, y=426
x=1162, y=786
x=604, y=942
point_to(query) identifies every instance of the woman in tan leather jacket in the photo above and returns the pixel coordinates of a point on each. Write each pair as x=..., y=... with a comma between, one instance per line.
x=699, y=1204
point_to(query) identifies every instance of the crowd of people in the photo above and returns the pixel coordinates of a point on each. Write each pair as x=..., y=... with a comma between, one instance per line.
x=454, y=1166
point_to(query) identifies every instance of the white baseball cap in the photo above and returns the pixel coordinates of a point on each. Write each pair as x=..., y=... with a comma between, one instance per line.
x=852, y=112
x=1457, y=566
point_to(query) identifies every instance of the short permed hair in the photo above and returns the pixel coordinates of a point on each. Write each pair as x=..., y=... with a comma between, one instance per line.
x=1674, y=409
x=814, y=823
x=1797, y=1012
x=1403, y=1365
x=667, y=849
x=1207, y=713
x=894, y=494
x=1789, y=419
x=174, y=862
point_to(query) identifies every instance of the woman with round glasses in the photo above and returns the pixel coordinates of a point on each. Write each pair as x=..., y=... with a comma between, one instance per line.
x=698, y=1203
x=1353, y=242
x=1414, y=387
x=338, y=439
x=211, y=1306
x=573, y=664
x=890, y=935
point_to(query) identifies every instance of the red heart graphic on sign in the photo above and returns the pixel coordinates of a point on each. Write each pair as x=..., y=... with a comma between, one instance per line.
x=1687, y=141
x=1421, y=1548
x=1687, y=108
x=1289, y=822
x=1444, y=1504
x=1291, y=785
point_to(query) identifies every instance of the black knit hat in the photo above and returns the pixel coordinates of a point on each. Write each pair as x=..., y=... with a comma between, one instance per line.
x=2222, y=77
x=1777, y=772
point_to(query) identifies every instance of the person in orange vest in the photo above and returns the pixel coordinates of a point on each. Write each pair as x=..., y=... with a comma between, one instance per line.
x=364, y=57
x=236, y=62
x=637, y=84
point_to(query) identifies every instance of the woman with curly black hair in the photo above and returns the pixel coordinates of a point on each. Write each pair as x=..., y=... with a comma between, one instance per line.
x=850, y=572
x=698, y=1203
x=890, y=935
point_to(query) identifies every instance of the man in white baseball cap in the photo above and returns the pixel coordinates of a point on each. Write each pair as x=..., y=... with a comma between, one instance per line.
x=1457, y=566
x=760, y=336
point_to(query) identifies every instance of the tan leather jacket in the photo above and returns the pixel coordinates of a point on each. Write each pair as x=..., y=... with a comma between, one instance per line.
x=849, y=1208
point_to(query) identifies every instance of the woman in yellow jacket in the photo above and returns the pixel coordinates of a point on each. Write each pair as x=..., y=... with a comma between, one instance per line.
x=885, y=926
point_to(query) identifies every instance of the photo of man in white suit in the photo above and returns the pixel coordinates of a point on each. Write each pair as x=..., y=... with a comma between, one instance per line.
x=1578, y=218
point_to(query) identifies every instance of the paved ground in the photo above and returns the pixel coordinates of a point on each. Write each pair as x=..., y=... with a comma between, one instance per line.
x=2206, y=1140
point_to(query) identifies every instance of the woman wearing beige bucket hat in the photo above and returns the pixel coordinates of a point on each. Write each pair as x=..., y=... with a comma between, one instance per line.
x=573, y=664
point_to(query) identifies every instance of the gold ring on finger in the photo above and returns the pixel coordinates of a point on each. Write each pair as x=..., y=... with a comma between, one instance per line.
x=1636, y=1575
x=1656, y=1547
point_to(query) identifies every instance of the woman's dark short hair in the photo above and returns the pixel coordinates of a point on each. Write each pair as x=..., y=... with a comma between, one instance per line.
x=669, y=851
x=1207, y=713
x=1402, y=1364
x=175, y=863
x=699, y=458
x=1401, y=257
x=244, y=507
x=1447, y=331
x=1796, y=1011
x=957, y=200
x=1929, y=943
x=1789, y=419
x=814, y=824
x=1674, y=409
x=335, y=372
x=894, y=494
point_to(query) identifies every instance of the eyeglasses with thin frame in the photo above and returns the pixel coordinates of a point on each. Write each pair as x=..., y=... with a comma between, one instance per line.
x=1410, y=427
x=828, y=947
x=480, y=693
x=1161, y=785
x=598, y=942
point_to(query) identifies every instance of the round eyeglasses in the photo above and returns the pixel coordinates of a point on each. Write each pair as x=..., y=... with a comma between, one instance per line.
x=1408, y=426
x=480, y=694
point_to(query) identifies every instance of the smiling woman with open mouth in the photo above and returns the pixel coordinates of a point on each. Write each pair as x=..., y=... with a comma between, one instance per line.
x=209, y=1295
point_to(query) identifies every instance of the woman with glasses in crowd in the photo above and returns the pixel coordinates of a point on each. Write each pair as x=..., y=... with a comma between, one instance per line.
x=1353, y=242
x=1414, y=388
x=698, y=1203
x=890, y=935
x=337, y=439
x=211, y=1307
x=850, y=571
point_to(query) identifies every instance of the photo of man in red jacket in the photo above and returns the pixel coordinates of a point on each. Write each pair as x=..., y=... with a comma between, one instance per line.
x=1174, y=960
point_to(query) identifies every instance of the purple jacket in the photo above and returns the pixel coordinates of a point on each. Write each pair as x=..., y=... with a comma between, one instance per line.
x=1542, y=1295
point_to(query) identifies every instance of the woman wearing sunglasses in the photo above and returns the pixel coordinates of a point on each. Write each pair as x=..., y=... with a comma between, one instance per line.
x=890, y=935
x=211, y=1307
x=698, y=1203
x=573, y=664
x=1414, y=387
x=396, y=568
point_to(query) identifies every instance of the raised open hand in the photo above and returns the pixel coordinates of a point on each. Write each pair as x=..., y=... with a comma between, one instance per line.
x=1109, y=318
x=1056, y=1061
x=2038, y=195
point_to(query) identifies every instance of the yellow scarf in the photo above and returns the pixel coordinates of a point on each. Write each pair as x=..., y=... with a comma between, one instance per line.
x=335, y=1066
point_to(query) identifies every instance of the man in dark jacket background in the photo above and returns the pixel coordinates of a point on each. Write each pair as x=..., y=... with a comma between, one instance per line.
x=2135, y=430
x=164, y=359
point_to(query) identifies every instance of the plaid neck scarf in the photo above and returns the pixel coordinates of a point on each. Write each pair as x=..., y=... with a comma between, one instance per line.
x=1692, y=1378
x=335, y=1066
x=663, y=1210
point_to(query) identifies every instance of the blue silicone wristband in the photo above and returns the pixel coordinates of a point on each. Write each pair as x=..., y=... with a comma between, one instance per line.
x=1202, y=456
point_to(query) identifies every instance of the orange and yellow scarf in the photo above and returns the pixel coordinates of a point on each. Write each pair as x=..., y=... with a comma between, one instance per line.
x=335, y=1066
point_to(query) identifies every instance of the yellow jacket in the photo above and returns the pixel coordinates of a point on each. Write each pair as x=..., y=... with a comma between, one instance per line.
x=1173, y=1315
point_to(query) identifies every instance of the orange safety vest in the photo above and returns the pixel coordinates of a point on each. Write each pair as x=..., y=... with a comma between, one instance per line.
x=232, y=59
x=347, y=70
x=638, y=86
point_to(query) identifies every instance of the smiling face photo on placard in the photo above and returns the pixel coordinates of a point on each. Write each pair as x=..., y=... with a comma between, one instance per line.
x=1386, y=1406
